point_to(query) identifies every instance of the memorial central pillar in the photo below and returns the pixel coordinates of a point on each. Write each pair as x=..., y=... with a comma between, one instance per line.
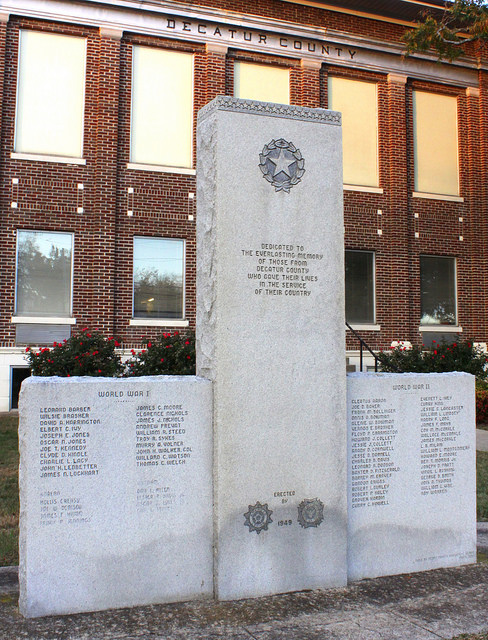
x=270, y=335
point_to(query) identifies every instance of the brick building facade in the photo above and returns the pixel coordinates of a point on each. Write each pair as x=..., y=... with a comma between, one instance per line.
x=98, y=219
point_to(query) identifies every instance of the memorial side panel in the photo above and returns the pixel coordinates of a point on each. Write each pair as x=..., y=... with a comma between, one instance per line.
x=412, y=478
x=108, y=470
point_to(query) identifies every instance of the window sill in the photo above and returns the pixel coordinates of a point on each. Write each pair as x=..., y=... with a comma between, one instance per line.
x=357, y=187
x=440, y=328
x=161, y=169
x=437, y=196
x=41, y=320
x=365, y=327
x=149, y=322
x=39, y=157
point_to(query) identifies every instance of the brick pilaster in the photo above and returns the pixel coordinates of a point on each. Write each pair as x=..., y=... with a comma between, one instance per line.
x=7, y=257
x=104, y=224
x=480, y=211
x=310, y=89
x=471, y=229
x=216, y=63
x=399, y=323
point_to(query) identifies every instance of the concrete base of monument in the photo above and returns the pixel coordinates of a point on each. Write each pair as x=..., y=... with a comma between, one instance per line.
x=434, y=604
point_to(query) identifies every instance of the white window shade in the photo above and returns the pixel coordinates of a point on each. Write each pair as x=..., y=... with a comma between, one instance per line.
x=358, y=103
x=261, y=82
x=50, y=94
x=162, y=107
x=435, y=143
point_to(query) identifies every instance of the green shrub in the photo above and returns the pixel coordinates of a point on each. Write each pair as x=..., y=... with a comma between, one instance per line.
x=170, y=354
x=481, y=406
x=84, y=354
x=482, y=485
x=440, y=358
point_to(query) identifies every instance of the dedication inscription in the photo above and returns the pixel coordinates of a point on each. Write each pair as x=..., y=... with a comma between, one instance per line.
x=282, y=269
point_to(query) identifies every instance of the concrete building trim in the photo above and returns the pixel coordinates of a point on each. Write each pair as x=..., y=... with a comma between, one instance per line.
x=250, y=33
x=42, y=320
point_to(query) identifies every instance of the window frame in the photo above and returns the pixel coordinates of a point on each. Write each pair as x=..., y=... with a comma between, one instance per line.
x=147, y=321
x=150, y=166
x=40, y=155
x=436, y=326
x=43, y=318
x=372, y=323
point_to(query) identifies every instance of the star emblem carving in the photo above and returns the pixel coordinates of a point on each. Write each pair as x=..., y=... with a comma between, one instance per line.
x=281, y=164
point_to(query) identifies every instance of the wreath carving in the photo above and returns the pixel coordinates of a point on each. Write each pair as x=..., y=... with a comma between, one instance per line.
x=282, y=164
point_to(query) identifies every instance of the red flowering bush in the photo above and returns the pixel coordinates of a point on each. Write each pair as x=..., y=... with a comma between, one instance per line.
x=84, y=354
x=440, y=358
x=170, y=354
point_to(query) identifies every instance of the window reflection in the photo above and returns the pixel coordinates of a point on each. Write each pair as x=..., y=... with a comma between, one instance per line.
x=437, y=290
x=43, y=273
x=158, y=278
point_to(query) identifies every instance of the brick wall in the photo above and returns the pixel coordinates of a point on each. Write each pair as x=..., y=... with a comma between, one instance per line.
x=48, y=194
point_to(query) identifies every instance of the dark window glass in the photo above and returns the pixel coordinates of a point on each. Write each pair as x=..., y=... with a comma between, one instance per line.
x=17, y=376
x=437, y=290
x=360, y=287
x=158, y=278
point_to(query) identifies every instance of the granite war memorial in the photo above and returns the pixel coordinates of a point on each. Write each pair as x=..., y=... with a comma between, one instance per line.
x=266, y=472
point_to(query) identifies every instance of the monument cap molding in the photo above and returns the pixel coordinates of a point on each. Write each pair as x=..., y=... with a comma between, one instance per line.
x=293, y=112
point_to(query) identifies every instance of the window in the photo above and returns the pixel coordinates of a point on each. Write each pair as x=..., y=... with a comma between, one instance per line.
x=261, y=82
x=360, y=293
x=358, y=103
x=50, y=94
x=159, y=267
x=162, y=107
x=435, y=143
x=437, y=290
x=44, y=273
x=17, y=376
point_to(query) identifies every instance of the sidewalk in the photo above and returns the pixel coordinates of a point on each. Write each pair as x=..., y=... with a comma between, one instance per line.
x=481, y=440
x=435, y=604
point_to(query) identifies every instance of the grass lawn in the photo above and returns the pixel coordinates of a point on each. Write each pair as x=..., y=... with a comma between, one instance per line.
x=482, y=485
x=9, y=491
